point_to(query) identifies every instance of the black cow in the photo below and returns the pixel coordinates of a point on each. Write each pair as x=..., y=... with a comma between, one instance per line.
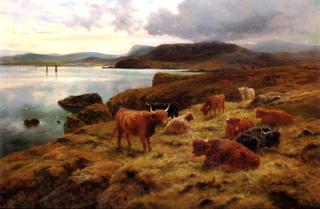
x=173, y=108
x=259, y=137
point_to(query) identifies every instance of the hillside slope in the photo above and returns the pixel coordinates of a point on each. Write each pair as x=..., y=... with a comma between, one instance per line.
x=86, y=170
x=206, y=55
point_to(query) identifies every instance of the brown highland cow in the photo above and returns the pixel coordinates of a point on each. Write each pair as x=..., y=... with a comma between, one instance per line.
x=230, y=155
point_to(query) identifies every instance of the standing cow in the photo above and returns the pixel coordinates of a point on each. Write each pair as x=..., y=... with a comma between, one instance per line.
x=173, y=110
x=138, y=123
x=213, y=103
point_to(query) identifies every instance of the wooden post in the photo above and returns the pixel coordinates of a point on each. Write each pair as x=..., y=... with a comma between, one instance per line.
x=46, y=70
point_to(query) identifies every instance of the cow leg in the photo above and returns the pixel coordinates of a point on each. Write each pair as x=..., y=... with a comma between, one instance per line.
x=148, y=144
x=120, y=132
x=143, y=141
x=128, y=140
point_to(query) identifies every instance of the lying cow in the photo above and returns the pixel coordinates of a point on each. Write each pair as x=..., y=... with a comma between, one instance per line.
x=274, y=117
x=179, y=125
x=247, y=93
x=258, y=138
x=138, y=123
x=228, y=154
x=213, y=103
x=173, y=110
x=236, y=126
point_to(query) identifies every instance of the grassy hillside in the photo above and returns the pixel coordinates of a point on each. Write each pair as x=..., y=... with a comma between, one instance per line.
x=85, y=170
x=169, y=177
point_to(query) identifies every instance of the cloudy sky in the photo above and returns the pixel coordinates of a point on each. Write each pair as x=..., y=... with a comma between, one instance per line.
x=113, y=26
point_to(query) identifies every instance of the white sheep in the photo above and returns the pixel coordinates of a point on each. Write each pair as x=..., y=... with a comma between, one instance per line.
x=179, y=125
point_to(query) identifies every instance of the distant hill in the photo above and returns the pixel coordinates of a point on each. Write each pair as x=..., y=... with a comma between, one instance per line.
x=31, y=58
x=209, y=55
x=282, y=46
x=138, y=50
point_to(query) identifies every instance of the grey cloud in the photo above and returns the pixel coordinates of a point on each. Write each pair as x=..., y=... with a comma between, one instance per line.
x=233, y=20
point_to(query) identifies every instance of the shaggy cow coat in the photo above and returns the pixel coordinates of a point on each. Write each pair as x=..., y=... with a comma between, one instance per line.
x=236, y=126
x=230, y=155
x=179, y=125
x=138, y=123
x=213, y=103
x=258, y=138
x=246, y=93
x=274, y=117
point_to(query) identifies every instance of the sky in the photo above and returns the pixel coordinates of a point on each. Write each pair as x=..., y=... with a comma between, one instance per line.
x=114, y=26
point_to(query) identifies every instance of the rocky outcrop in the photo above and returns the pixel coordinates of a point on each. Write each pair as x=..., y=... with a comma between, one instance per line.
x=162, y=78
x=127, y=184
x=90, y=115
x=184, y=92
x=265, y=99
x=75, y=104
x=30, y=122
x=72, y=123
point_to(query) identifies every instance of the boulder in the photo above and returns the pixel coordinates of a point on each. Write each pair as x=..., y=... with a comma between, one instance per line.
x=92, y=114
x=95, y=114
x=265, y=99
x=72, y=123
x=29, y=122
x=75, y=104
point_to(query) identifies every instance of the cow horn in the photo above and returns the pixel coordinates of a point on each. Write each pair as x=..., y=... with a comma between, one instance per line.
x=147, y=103
x=151, y=110
x=167, y=108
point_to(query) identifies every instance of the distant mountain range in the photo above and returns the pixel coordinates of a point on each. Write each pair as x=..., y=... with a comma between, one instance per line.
x=185, y=55
x=31, y=58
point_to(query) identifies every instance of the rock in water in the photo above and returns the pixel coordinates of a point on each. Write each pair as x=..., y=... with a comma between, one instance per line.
x=92, y=114
x=75, y=104
x=29, y=122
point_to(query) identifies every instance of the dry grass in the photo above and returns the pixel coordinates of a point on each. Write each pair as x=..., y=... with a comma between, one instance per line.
x=176, y=177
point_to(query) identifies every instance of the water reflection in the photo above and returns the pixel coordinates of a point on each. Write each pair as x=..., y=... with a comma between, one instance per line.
x=26, y=91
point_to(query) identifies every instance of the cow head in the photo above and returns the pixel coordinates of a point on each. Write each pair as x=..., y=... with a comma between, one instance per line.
x=199, y=147
x=273, y=138
x=233, y=121
x=188, y=116
x=204, y=110
x=159, y=117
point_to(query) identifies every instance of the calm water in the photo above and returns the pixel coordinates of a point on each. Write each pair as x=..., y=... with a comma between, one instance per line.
x=29, y=92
